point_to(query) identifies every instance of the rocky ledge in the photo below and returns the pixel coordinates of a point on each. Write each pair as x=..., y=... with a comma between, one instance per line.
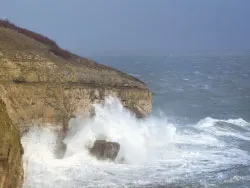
x=42, y=83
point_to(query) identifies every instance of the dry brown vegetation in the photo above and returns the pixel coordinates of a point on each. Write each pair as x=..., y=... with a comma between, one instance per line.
x=53, y=47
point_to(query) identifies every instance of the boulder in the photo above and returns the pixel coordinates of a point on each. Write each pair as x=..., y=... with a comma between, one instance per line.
x=105, y=150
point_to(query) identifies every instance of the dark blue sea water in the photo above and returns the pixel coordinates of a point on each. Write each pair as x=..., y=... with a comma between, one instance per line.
x=197, y=136
x=193, y=87
x=204, y=89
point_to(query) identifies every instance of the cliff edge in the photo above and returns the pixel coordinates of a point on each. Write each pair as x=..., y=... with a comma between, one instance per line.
x=11, y=170
x=42, y=83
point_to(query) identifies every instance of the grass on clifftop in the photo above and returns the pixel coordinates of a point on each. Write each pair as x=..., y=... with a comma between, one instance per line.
x=53, y=47
x=20, y=44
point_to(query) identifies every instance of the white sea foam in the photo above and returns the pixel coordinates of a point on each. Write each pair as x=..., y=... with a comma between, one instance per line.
x=113, y=122
x=152, y=149
x=208, y=122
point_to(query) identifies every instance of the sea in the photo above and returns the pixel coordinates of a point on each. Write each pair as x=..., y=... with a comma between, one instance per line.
x=198, y=134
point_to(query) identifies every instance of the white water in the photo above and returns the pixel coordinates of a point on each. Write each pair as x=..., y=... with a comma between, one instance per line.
x=155, y=152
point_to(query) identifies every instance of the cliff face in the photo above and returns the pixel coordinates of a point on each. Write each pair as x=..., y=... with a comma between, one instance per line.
x=11, y=171
x=41, y=83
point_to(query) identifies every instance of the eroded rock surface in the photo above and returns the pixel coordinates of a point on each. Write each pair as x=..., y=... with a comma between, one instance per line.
x=42, y=83
x=104, y=150
x=11, y=151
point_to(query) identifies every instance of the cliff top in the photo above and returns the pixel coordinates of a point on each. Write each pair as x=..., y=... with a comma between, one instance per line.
x=29, y=57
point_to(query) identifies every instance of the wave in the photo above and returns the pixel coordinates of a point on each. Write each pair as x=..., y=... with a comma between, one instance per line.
x=208, y=121
x=151, y=150
x=113, y=122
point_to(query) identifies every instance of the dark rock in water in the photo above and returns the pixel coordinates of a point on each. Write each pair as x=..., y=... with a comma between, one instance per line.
x=105, y=150
x=61, y=147
x=111, y=150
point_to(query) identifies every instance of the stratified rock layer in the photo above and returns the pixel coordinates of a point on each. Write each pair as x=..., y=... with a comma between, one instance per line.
x=41, y=83
x=11, y=170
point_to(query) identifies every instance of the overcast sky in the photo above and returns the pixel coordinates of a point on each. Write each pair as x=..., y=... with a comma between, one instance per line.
x=93, y=27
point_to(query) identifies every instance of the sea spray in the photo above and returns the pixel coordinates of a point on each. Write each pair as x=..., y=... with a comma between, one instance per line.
x=113, y=122
x=153, y=151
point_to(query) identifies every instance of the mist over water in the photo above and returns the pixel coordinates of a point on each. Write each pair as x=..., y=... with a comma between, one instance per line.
x=160, y=150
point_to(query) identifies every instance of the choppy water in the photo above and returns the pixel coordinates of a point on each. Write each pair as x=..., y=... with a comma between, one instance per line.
x=197, y=136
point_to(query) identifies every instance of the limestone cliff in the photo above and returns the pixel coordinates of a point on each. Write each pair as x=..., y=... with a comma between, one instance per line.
x=11, y=171
x=42, y=83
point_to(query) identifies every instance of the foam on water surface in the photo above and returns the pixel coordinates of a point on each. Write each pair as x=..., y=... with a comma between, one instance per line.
x=153, y=152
